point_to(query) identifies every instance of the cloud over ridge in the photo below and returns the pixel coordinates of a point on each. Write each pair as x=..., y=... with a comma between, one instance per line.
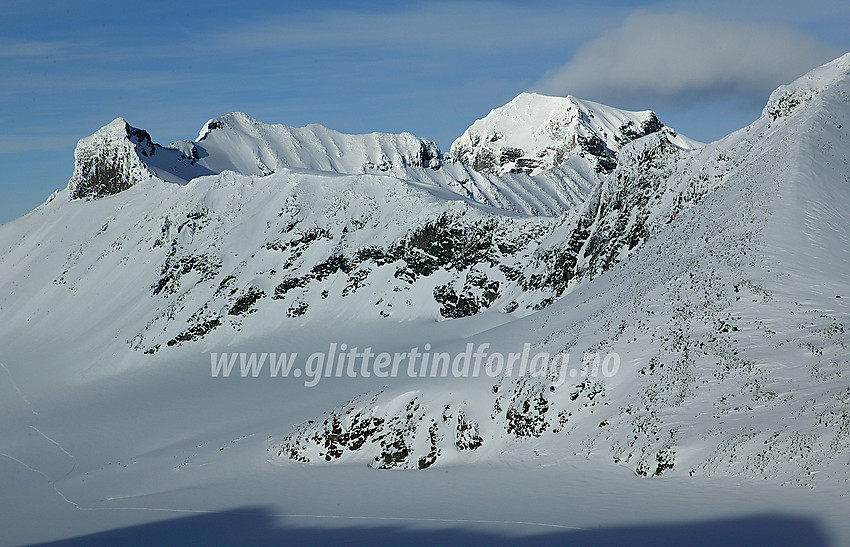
x=683, y=57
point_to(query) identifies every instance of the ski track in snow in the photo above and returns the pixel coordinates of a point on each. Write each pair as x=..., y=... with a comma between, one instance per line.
x=40, y=432
x=364, y=518
x=79, y=507
x=17, y=389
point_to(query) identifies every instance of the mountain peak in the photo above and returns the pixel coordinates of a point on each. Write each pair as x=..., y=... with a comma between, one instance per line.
x=533, y=132
x=788, y=98
x=232, y=120
x=117, y=123
x=109, y=161
x=118, y=155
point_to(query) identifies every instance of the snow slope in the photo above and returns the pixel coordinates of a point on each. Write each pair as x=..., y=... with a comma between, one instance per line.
x=254, y=225
x=240, y=143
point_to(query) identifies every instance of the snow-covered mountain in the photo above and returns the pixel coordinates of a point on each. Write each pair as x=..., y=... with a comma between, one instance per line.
x=725, y=293
x=574, y=141
x=118, y=156
x=533, y=133
x=379, y=225
x=717, y=273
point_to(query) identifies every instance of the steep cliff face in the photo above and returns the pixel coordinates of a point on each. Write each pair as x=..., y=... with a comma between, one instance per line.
x=110, y=161
x=118, y=156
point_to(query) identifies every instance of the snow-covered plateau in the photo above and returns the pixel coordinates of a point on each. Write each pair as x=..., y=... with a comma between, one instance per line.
x=717, y=274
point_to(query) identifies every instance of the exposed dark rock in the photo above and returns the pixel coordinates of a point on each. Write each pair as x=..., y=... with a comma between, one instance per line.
x=245, y=303
x=212, y=125
x=288, y=284
x=297, y=310
x=196, y=331
x=467, y=435
x=650, y=125
x=110, y=161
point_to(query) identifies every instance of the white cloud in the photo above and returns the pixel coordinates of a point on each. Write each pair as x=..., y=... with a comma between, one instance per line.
x=684, y=57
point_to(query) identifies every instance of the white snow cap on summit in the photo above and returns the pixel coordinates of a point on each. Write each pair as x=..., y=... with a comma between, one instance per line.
x=534, y=132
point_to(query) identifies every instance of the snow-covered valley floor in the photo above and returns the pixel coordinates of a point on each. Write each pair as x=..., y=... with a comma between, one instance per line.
x=168, y=453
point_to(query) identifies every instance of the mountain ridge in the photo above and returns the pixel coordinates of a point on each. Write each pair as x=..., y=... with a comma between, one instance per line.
x=738, y=343
x=717, y=272
x=236, y=142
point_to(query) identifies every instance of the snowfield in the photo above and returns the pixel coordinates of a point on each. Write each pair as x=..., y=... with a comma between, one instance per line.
x=717, y=273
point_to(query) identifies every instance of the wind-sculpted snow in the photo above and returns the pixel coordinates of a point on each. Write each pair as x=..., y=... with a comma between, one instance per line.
x=239, y=143
x=719, y=278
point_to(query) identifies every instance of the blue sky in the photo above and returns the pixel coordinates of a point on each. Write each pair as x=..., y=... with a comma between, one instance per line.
x=431, y=68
